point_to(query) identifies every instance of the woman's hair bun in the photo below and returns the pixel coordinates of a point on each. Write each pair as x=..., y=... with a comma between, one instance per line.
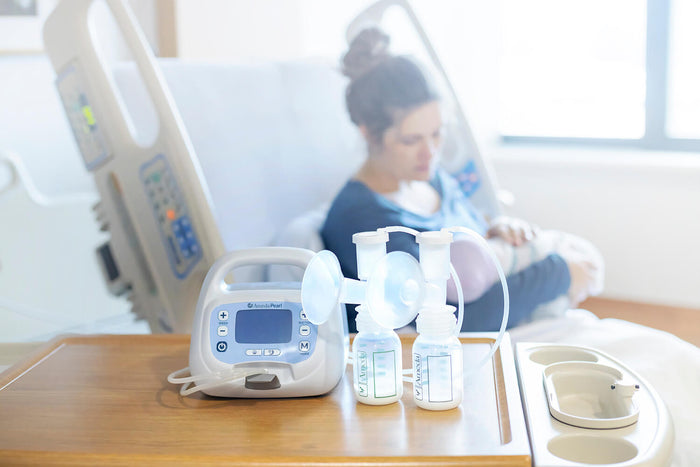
x=368, y=49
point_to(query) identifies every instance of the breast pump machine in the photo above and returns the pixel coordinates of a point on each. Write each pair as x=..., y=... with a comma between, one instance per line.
x=392, y=289
x=289, y=341
x=256, y=339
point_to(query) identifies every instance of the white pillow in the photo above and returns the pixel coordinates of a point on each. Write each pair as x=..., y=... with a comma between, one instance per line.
x=303, y=231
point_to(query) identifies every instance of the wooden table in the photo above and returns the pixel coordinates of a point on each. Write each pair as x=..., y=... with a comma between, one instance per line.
x=89, y=400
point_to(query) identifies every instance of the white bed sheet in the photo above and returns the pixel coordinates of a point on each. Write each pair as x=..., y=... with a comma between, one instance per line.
x=671, y=365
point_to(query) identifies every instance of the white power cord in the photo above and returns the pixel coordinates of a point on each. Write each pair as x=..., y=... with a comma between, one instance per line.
x=212, y=380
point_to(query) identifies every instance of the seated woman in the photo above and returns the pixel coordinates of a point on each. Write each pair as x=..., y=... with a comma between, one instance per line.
x=398, y=112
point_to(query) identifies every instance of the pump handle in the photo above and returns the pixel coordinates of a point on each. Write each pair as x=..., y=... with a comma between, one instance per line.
x=262, y=255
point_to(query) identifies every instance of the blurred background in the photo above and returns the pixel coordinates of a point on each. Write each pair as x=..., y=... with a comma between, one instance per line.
x=589, y=112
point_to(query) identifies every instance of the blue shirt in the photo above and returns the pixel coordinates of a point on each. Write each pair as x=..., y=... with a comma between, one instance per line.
x=356, y=208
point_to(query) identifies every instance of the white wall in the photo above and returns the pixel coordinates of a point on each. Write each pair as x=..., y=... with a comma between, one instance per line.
x=640, y=209
x=466, y=37
x=238, y=29
x=637, y=207
x=243, y=30
x=465, y=34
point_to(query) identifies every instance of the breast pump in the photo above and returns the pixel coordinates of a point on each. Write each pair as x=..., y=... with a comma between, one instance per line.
x=392, y=289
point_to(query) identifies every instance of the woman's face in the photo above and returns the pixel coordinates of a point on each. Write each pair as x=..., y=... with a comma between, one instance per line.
x=410, y=147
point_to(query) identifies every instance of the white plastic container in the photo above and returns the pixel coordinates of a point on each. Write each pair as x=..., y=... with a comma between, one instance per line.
x=377, y=378
x=437, y=361
x=576, y=418
x=370, y=247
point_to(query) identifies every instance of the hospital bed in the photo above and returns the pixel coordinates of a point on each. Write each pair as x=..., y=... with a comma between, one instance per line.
x=173, y=205
x=249, y=136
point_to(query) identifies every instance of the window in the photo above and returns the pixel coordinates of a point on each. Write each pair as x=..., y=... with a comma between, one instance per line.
x=683, y=119
x=613, y=72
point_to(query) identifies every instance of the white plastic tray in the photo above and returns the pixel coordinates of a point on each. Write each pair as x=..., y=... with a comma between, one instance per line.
x=646, y=442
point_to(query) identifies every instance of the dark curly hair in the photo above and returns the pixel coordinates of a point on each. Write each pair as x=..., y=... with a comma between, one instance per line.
x=381, y=84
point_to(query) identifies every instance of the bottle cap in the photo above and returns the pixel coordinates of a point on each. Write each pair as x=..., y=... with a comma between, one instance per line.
x=371, y=237
x=434, y=238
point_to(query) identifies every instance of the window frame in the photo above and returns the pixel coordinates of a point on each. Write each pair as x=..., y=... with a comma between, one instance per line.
x=655, y=105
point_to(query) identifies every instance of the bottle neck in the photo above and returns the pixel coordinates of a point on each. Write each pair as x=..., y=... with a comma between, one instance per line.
x=438, y=322
x=365, y=322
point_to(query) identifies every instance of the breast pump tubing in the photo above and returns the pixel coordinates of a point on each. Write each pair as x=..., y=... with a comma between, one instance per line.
x=460, y=296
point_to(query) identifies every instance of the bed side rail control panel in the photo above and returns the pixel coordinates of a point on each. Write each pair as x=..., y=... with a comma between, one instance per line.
x=171, y=215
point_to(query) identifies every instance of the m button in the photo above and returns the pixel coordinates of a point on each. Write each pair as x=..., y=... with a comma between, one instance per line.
x=304, y=346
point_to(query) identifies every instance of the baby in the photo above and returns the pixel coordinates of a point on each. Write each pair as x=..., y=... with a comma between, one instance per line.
x=477, y=272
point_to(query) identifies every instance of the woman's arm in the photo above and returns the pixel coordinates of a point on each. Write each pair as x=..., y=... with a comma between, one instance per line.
x=539, y=283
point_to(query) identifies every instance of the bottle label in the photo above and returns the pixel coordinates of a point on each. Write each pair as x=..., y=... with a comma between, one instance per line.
x=417, y=377
x=434, y=374
x=362, y=374
x=440, y=378
x=384, y=364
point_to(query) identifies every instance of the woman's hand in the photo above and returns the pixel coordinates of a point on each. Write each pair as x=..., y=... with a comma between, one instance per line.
x=582, y=274
x=585, y=268
x=514, y=231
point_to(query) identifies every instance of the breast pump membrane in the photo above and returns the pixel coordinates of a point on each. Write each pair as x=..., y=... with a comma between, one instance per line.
x=393, y=293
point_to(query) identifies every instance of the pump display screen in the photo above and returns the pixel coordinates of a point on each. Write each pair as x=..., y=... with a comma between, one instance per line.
x=263, y=326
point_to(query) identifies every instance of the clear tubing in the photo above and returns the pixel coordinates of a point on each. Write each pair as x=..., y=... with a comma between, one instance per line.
x=399, y=228
x=460, y=298
x=506, y=298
